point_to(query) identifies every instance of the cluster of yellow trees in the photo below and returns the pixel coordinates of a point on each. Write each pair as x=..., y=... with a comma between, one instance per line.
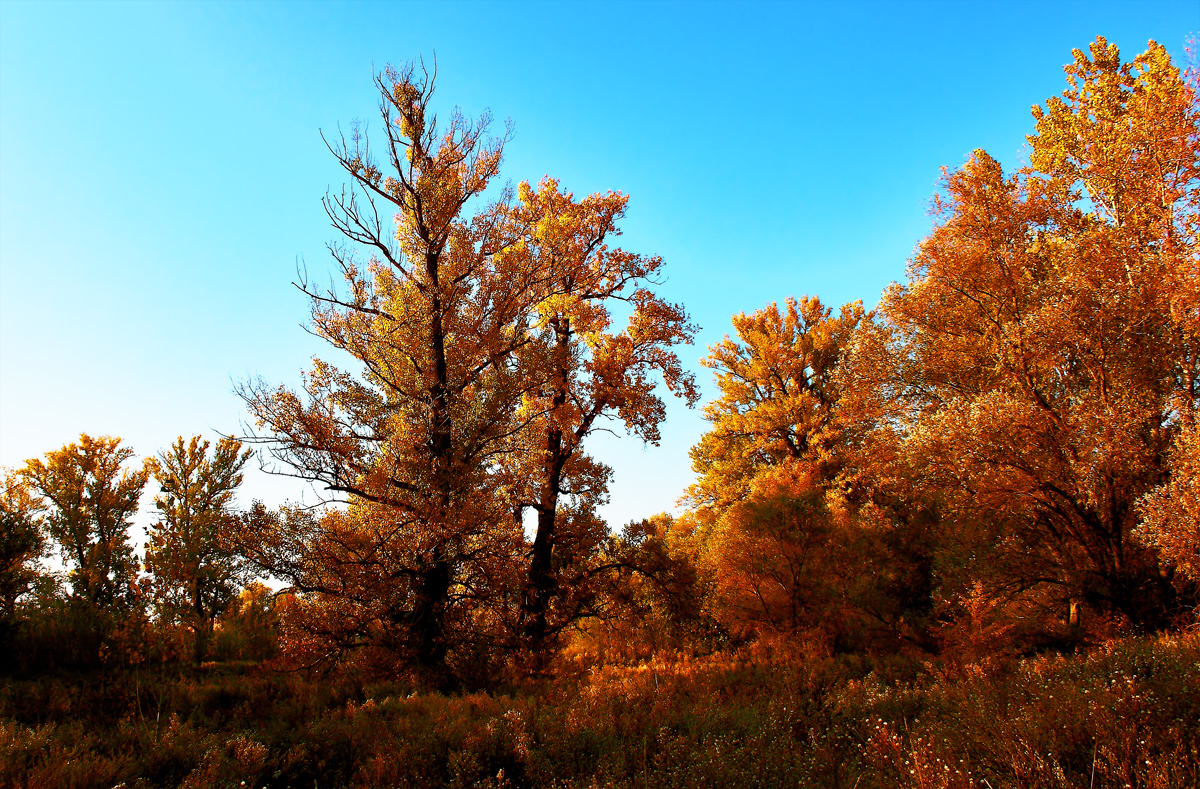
x=81, y=498
x=1004, y=452
x=1012, y=434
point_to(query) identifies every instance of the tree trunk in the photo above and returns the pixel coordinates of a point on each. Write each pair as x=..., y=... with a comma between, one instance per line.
x=428, y=620
x=540, y=587
x=427, y=624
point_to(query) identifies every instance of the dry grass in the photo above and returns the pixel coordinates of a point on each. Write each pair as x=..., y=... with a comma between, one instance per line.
x=1125, y=715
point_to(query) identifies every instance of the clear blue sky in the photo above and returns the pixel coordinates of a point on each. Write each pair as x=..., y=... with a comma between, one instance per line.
x=161, y=170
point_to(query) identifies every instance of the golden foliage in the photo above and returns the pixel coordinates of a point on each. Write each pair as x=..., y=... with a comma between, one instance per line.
x=22, y=543
x=579, y=372
x=778, y=395
x=1171, y=511
x=775, y=554
x=1005, y=423
x=487, y=357
x=89, y=498
x=1046, y=340
x=194, y=574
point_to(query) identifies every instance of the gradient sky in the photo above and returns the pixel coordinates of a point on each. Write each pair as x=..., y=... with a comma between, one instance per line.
x=161, y=171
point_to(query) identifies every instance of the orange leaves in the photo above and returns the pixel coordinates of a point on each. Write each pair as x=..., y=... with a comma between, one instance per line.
x=89, y=498
x=778, y=393
x=1171, y=512
x=410, y=439
x=767, y=551
x=577, y=372
x=487, y=354
x=195, y=573
x=1009, y=415
x=22, y=543
x=790, y=551
x=578, y=279
x=1042, y=341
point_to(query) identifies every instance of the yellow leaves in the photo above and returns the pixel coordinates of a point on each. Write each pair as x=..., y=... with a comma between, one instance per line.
x=773, y=554
x=89, y=498
x=585, y=316
x=409, y=99
x=16, y=497
x=778, y=393
x=485, y=355
x=88, y=479
x=1123, y=133
x=194, y=572
x=578, y=276
x=22, y=543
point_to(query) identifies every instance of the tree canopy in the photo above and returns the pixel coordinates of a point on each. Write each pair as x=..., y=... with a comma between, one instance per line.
x=487, y=357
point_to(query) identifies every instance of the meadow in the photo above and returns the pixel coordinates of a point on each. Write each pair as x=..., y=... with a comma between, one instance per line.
x=1123, y=715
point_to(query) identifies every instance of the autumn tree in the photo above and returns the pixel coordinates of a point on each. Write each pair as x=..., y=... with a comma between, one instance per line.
x=431, y=319
x=652, y=593
x=1171, y=512
x=88, y=499
x=792, y=543
x=579, y=372
x=22, y=545
x=774, y=555
x=194, y=572
x=778, y=396
x=1045, y=346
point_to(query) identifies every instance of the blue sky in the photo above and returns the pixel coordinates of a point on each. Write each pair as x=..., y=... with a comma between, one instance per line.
x=161, y=171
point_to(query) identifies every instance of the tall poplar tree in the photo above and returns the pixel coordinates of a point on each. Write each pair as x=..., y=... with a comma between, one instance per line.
x=779, y=395
x=484, y=356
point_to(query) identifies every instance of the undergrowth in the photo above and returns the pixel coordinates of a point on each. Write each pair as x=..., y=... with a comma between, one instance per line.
x=1123, y=715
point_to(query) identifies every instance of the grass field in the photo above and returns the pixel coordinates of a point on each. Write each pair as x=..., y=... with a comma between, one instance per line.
x=1123, y=715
